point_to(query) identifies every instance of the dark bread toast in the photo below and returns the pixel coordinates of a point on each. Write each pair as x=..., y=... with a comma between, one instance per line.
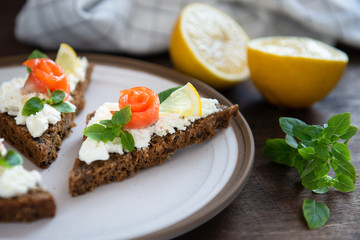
x=84, y=178
x=42, y=151
x=34, y=205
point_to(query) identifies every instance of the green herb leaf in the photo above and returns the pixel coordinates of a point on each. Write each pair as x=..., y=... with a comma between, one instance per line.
x=95, y=132
x=340, y=123
x=165, y=94
x=106, y=122
x=109, y=134
x=63, y=107
x=340, y=151
x=32, y=106
x=343, y=183
x=122, y=117
x=36, y=54
x=307, y=153
x=127, y=141
x=287, y=124
x=13, y=158
x=316, y=214
x=343, y=168
x=278, y=151
x=3, y=162
x=58, y=96
x=349, y=133
x=290, y=140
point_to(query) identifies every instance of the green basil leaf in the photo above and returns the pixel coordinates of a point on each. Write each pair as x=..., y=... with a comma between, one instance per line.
x=3, y=163
x=290, y=140
x=299, y=132
x=307, y=153
x=127, y=141
x=343, y=168
x=32, y=106
x=300, y=163
x=341, y=151
x=313, y=131
x=165, y=94
x=58, y=96
x=13, y=158
x=36, y=54
x=122, y=117
x=343, y=183
x=322, y=169
x=108, y=135
x=321, y=190
x=63, y=107
x=287, y=124
x=340, y=123
x=310, y=168
x=106, y=122
x=349, y=133
x=310, y=181
x=316, y=214
x=278, y=151
x=94, y=131
x=322, y=151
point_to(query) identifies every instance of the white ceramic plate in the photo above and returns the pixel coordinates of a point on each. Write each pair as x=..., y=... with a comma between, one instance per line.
x=160, y=202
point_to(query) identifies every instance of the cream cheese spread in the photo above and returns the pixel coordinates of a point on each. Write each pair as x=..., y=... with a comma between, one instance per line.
x=12, y=101
x=92, y=150
x=16, y=180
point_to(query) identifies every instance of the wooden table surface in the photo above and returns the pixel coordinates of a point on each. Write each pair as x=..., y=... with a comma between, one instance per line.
x=269, y=206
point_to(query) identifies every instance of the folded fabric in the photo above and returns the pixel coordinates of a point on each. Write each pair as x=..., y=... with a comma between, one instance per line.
x=144, y=26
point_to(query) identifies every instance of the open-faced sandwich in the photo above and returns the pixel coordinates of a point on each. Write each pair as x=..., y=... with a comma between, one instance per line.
x=22, y=199
x=142, y=130
x=37, y=111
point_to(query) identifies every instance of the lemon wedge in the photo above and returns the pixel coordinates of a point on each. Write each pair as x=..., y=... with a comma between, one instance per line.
x=67, y=59
x=185, y=101
x=208, y=44
x=294, y=72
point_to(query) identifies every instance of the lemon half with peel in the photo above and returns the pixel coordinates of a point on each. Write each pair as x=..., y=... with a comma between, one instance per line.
x=208, y=44
x=294, y=72
x=67, y=59
x=184, y=101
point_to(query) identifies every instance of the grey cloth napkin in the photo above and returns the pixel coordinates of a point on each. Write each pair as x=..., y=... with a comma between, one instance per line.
x=143, y=26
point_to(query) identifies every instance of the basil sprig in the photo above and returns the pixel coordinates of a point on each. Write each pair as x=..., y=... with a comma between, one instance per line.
x=316, y=214
x=11, y=159
x=108, y=130
x=35, y=104
x=313, y=150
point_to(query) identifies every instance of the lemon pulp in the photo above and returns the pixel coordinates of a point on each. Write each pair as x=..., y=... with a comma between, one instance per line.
x=67, y=59
x=185, y=101
x=208, y=44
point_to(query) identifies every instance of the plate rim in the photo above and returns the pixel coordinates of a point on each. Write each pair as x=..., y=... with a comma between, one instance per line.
x=242, y=170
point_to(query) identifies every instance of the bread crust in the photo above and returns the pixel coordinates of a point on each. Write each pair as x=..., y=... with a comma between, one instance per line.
x=85, y=177
x=32, y=206
x=43, y=151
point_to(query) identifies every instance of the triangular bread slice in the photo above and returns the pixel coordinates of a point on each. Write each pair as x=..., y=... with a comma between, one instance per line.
x=42, y=151
x=85, y=177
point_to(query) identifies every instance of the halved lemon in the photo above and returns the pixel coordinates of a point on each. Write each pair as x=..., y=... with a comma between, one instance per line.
x=185, y=101
x=208, y=44
x=294, y=71
x=67, y=59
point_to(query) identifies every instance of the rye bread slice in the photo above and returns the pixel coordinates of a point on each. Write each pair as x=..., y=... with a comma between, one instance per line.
x=85, y=177
x=32, y=206
x=42, y=151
